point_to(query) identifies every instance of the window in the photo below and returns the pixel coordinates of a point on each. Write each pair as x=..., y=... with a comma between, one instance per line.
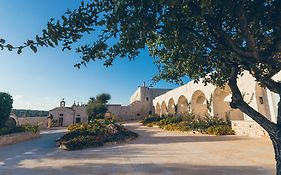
x=61, y=115
x=150, y=112
x=261, y=100
x=78, y=120
x=147, y=98
x=138, y=114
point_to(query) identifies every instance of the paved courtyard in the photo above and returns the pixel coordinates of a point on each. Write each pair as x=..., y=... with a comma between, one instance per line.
x=154, y=152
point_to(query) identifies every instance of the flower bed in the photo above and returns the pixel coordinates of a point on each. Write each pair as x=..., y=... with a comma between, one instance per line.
x=206, y=125
x=94, y=134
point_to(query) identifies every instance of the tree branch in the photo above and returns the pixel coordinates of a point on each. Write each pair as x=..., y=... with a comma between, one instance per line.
x=238, y=102
x=245, y=29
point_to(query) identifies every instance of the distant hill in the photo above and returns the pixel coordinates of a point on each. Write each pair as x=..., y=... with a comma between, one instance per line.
x=29, y=113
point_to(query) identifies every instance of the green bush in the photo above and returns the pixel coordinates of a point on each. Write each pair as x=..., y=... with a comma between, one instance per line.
x=31, y=128
x=17, y=129
x=150, y=119
x=208, y=124
x=96, y=133
x=170, y=120
x=6, y=105
x=220, y=130
x=6, y=130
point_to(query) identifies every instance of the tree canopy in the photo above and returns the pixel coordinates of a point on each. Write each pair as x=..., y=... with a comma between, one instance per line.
x=96, y=107
x=6, y=104
x=210, y=39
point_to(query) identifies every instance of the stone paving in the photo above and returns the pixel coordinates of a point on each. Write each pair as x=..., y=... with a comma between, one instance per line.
x=154, y=152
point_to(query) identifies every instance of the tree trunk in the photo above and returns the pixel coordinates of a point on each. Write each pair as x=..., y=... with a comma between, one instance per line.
x=274, y=130
x=276, y=142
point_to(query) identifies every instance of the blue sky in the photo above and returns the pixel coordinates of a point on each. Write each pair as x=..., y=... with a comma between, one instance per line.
x=41, y=80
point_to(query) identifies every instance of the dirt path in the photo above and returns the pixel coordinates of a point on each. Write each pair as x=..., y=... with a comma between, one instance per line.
x=154, y=152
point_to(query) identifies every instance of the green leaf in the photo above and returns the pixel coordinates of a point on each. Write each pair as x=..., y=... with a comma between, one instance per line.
x=10, y=47
x=20, y=50
x=33, y=48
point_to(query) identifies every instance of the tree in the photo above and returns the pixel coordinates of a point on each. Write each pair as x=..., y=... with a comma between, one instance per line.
x=6, y=105
x=210, y=39
x=97, y=107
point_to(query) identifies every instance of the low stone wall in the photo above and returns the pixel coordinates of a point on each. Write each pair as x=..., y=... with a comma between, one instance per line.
x=17, y=137
x=42, y=121
x=248, y=128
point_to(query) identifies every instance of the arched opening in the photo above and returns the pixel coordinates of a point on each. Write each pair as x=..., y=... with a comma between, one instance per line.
x=171, y=107
x=199, y=104
x=221, y=107
x=164, y=110
x=182, y=105
x=262, y=101
x=158, y=109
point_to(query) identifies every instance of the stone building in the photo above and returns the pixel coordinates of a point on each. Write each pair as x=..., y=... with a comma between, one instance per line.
x=201, y=100
x=140, y=106
x=65, y=116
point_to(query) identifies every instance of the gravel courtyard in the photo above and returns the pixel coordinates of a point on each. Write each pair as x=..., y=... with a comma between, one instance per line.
x=154, y=152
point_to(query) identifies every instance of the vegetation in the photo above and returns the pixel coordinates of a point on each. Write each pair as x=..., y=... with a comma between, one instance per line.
x=206, y=125
x=227, y=38
x=96, y=133
x=97, y=107
x=29, y=113
x=18, y=129
x=6, y=104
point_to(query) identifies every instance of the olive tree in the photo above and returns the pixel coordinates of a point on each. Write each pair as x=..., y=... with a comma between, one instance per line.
x=96, y=107
x=216, y=40
x=6, y=105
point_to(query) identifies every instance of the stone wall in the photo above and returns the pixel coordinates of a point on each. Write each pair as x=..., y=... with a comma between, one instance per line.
x=67, y=116
x=42, y=121
x=17, y=137
x=248, y=128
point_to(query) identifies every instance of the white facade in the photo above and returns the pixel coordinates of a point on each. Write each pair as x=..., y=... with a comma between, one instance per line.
x=204, y=100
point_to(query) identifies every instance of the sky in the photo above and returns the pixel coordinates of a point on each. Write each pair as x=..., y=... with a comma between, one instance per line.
x=41, y=80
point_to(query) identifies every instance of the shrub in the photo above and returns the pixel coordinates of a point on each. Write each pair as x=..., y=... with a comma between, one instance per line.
x=6, y=130
x=96, y=133
x=6, y=105
x=31, y=128
x=220, y=130
x=17, y=129
x=150, y=119
x=208, y=124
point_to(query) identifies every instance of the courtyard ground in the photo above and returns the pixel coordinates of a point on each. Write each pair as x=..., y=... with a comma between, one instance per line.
x=154, y=152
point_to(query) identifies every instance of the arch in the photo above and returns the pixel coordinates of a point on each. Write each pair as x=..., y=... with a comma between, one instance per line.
x=158, y=109
x=262, y=101
x=221, y=107
x=164, y=110
x=171, y=107
x=199, y=104
x=182, y=105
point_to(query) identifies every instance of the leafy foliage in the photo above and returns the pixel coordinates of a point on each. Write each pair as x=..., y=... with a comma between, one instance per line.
x=6, y=103
x=18, y=129
x=96, y=107
x=208, y=125
x=220, y=130
x=7, y=130
x=96, y=133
